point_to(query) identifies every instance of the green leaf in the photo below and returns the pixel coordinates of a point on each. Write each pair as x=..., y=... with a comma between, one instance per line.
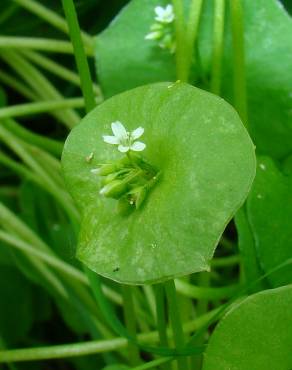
x=268, y=49
x=269, y=210
x=269, y=43
x=124, y=59
x=255, y=334
x=207, y=165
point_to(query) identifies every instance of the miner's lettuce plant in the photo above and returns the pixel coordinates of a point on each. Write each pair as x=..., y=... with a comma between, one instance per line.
x=150, y=225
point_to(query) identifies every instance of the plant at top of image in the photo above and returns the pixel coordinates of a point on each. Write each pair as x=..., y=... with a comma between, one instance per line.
x=162, y=30
x=145, y=209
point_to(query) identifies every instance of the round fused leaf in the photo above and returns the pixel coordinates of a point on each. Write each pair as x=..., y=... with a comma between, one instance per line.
x=207, y=165
x=254, y=335
x=269, y=210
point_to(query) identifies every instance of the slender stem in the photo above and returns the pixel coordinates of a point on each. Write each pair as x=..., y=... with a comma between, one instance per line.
x=51, y=17
x=225, y=261
x=129, y=315
x=161, y=317
x=151, y=364
x=186, y=33
x=175, y=322
x=218, y=43
x=150, y=297
x=3, y=346
x=40, y=107
x=181, y=72
x=92, y=347
x=79, y=52
x=53, y=146
x=17, y=85
x=205, y=293
x=40, y=84
x=191, y=33
x=7, y=13
x=38, y=43
x=51, y=260
x=240, y=99
x=58, y=69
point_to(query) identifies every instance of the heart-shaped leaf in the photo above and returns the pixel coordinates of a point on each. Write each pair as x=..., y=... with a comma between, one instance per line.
x=207, y=165
x=255, y=334
x=270, y=213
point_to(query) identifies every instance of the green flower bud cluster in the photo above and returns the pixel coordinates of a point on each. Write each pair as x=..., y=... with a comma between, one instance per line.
x=163, y=33
x=128, y=180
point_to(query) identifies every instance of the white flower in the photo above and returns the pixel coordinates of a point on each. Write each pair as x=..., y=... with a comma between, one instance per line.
x=164, y=15
x=124, y=139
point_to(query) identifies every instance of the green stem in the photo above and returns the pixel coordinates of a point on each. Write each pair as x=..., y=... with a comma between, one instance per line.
x=80, y=57
x=205, y=293
x=53, y=146
x=51, y=260
x=21, y=150
x=225, y=261
x=161, y=317
x=3, y=346
x=57, y=69
x=240, y=99
x=191, y=34
x=155, y=363
x=129, y=316
x=186, y=33
x=181, y=72
x=17, y=85
x=51, y=17
x=38, y=43
x=40, y=107
x=40, y=84
x=91, y=347
x=218, y=43
x=175, y=319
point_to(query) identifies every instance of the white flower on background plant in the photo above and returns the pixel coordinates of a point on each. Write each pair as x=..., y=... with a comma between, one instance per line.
x=125, y=140
x=162, y=30
x=164, y=15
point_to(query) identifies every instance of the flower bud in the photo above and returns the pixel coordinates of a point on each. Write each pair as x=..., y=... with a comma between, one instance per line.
x=141, y=195
x=114, y=189
x=105, y=169
x=124, y=208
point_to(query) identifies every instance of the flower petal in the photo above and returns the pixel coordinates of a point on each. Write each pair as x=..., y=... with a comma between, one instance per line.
x=110, y=139
x=138, y=146
x=119, y=130
x=123, y=148
x=159, y=10
x=137, y=133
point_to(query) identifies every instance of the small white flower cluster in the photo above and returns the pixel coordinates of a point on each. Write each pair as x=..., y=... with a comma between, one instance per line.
x=125, y=140
x=130, y=179
x=162, y=29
